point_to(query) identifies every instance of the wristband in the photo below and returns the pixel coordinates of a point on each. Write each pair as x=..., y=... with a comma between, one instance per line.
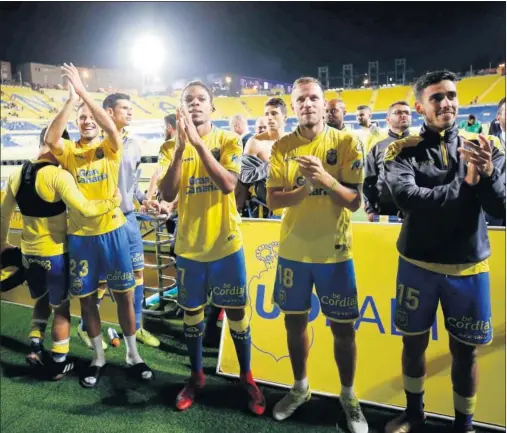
x=331, y=188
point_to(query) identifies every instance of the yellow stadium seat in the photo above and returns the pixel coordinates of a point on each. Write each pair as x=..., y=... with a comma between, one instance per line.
x=387, y=95
x=495, y=93
x=473, y=87
x=355, y=97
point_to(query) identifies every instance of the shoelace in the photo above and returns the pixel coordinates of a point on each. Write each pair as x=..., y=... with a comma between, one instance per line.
x=354, y=410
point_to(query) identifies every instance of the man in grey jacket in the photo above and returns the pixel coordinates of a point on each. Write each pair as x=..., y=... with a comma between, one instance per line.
x=118, y=106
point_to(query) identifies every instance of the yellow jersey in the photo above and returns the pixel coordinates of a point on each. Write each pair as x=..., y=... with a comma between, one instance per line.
x=95, y=169
x=317, y=230
x=48, y=236
x=208, y=227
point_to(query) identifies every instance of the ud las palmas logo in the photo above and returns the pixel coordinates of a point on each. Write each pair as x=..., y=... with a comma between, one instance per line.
x=262, y=273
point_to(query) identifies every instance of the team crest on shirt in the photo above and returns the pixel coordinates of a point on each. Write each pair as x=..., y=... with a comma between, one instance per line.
x=331, y=157
x=99, y=153
x=216, y=153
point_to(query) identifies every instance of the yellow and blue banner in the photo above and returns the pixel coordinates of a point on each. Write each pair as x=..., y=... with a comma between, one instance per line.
x=379, y=344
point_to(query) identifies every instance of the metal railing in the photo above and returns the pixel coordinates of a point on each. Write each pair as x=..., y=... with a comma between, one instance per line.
x=167, y=304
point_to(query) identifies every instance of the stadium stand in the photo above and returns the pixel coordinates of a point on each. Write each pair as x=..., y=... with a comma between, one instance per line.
x=471, y=89
x=495, y=92
x=26, y=111
x=387, y=95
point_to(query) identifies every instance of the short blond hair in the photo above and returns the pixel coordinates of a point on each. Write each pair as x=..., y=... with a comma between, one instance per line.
x=307, y=80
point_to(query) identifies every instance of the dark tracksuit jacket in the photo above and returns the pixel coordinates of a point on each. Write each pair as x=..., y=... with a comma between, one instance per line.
x=377, y=197
x=443, y=216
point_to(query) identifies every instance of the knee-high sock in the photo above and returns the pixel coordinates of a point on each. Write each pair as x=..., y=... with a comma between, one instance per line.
x=240, y=333
x=193, y=328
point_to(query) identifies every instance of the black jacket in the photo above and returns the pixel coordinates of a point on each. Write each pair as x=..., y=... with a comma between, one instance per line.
x=443, y=216
x=377, y=197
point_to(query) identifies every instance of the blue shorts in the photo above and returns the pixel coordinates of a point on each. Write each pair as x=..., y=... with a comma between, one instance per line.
x=48, y=275
x=466, y=303
x=222, y=282
x=136, y=246
x=93, y=256
x=335, y=284
x=135, y=241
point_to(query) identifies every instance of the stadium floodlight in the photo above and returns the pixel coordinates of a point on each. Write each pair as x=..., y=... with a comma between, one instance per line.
x=148, y=54
x=228, y=80
x=365, y=82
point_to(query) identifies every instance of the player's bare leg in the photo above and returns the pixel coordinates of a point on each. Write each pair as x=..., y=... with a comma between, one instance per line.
x=299, y=347
x=240, y=332
x=91, y=316
x=464, y=375
x=82, y=328
x=413, y=362
x=61, y=337
x=40, y=317
x=345, y=354
x=127, y=319
x=142, y=335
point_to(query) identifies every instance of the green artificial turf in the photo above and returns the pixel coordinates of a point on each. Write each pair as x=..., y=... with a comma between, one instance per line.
x=120, y=404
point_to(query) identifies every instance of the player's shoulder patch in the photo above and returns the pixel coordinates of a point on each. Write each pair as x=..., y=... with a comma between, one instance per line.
x=397, y=146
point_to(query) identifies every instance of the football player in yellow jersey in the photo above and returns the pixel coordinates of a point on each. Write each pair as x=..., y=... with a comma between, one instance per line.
x=97, y=245
x=368, y=132
x=316, y=175
x=42, y=191
x=443, y=184
x=203, y=164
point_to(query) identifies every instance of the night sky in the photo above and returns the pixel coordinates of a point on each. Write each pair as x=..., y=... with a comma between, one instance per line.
x=265, y=40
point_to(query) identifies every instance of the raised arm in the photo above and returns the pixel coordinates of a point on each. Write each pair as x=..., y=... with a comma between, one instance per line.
x=99, y=114
x=221, y=176
x=59, y=123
